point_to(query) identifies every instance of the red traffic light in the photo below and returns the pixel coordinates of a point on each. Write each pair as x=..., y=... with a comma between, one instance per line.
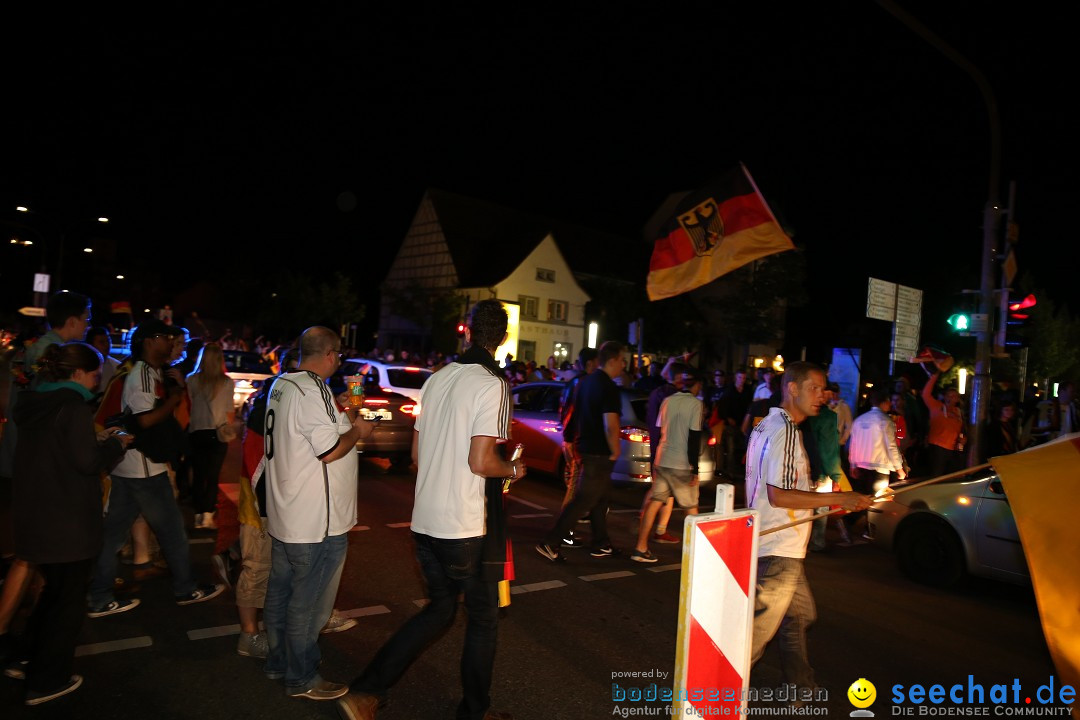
x=461, y=329
x=1027, y=302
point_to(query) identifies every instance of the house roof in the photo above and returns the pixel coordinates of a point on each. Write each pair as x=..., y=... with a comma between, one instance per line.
x=488, y=242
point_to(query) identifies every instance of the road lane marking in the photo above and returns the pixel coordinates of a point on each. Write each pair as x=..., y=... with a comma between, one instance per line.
x=361, y=612
x=532, y=515
x=534, y=587
x=665, y=568
x=606, y=576
x=113, y=646
x=359, y=528
x=213, y=632
x=398, y=525
x=526, y=503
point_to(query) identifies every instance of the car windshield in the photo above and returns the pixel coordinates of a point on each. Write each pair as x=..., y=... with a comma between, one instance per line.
x=638, y=406
x=246, y=363
x=407, y=377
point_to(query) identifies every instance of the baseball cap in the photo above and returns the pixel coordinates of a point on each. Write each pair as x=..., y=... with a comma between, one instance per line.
x=152, y=327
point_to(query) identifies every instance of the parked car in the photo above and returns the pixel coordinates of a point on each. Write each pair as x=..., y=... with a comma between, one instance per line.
x=404, y=379
x=944, y=531
x=248, y=370
x=536, y=425
x=393, y=435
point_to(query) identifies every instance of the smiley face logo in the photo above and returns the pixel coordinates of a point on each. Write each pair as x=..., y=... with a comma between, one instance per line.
x=862, y=693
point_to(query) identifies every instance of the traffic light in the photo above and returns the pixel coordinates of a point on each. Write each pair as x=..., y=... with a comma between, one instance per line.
x=1017, y=314
x=961, y=322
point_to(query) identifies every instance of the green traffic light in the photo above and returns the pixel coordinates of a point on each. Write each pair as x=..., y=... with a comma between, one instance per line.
x=960, y=322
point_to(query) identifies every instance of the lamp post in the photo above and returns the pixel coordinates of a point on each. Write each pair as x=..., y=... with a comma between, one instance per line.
x=980, y=386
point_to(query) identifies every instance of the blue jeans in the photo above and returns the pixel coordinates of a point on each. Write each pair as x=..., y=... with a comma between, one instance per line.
x=450, y=567
x=784, y=607
x=299, y=599
x=153, y=497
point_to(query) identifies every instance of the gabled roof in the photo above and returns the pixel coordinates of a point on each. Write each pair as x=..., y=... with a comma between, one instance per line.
x=488, y=242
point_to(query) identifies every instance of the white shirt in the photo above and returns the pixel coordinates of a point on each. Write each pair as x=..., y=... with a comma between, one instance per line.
x=775, y=456
x=679, y=414
x=873, y=443
x=143, y=387
x=307, y=500
x=457, y=403
x=843, y=420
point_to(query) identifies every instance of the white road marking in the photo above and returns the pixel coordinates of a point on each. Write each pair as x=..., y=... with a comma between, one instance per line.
x=398, y=525
x=359, y=528
x=665, y=568
x=533, y=515
x=213, y=632
x=113, y=646
x=526, y=503
x=533, y=587
x=361, y=612
x=606, y=576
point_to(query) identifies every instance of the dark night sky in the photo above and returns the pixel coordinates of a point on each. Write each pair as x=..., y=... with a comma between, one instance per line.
x=211, y=137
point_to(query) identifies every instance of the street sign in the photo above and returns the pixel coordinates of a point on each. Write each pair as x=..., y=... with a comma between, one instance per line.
x=41, y=282
x=881, y=300
x=880, y=313
x=906, y=317
x=32, y=311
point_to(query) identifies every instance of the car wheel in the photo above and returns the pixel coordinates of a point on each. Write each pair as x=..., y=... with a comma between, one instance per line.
x=929, y=552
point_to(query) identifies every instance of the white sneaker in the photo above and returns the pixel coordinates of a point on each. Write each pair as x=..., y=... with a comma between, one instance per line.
x=337, y=623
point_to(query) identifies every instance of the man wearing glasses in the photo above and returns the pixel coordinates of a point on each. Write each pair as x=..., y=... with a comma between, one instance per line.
x=310, y=475
x=140, y=484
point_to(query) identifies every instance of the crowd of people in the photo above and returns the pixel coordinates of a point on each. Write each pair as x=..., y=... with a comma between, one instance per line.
x=126, y=442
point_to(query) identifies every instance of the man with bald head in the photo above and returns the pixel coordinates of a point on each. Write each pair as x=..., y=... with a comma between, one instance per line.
x=310, y=475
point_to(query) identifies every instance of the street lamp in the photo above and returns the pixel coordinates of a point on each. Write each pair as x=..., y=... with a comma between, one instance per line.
x=980, y=386
x=61, y=231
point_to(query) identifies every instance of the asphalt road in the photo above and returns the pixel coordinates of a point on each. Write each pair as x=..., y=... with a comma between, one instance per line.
x=569, y=629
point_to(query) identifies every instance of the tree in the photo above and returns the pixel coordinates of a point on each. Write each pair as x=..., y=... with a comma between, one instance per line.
x=297, y=302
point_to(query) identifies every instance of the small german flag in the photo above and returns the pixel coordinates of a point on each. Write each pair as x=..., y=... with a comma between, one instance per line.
x=713, y=231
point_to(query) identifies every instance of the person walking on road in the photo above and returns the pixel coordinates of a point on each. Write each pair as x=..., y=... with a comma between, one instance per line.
x=465, y=413
x=778, y=486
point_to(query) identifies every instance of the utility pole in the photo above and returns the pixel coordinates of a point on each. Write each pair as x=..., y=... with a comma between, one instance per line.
x=980, y=387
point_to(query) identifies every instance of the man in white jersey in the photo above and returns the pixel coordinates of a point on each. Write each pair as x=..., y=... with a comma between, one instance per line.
x=464, y=412
x=779, y=487
x=141, y=484
x=311, y=469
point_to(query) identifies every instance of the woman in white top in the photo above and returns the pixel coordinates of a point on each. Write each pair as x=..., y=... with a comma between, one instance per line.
x=211, y=393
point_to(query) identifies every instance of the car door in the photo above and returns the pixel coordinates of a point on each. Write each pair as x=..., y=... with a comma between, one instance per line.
x=997, y=540
x=535, y=424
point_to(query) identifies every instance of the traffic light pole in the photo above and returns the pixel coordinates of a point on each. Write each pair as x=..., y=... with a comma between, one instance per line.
x=980, y=389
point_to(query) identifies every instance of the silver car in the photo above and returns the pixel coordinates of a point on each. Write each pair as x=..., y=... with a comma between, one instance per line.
x=943, y=531
x=536, y=425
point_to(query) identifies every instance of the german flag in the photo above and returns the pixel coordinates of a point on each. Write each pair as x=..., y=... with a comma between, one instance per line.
x=1043, y=485
x=711, y=232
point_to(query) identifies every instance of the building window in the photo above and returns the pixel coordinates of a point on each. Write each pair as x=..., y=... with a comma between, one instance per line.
x=526, y=350
x=545, y=275
x=530, y=307
x=557, y=310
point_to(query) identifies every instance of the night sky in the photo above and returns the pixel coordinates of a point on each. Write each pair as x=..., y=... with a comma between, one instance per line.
x=212, y=137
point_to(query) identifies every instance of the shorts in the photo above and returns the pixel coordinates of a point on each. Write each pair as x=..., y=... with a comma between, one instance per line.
x=668, y=482
x=255, y=554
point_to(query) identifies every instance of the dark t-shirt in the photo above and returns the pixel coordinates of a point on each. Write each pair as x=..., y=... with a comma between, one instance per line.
x=597, y=394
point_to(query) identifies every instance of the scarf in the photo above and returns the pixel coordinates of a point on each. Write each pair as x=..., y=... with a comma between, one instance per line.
x=494, y=553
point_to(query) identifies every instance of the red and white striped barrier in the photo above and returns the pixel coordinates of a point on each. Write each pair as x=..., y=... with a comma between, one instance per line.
x=716, y=614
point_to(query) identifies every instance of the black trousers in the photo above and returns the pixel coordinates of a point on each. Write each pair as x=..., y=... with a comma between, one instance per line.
x=207, y=458
x=593, y=496
x=53, y=627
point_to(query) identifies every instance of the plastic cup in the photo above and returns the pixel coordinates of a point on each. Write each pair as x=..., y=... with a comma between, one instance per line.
x=355, y=385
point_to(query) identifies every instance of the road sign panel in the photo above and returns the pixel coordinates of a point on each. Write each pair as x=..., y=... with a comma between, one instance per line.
x=880, y=313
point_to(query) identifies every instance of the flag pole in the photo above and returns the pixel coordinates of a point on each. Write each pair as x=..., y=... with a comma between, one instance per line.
x=890, y=494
